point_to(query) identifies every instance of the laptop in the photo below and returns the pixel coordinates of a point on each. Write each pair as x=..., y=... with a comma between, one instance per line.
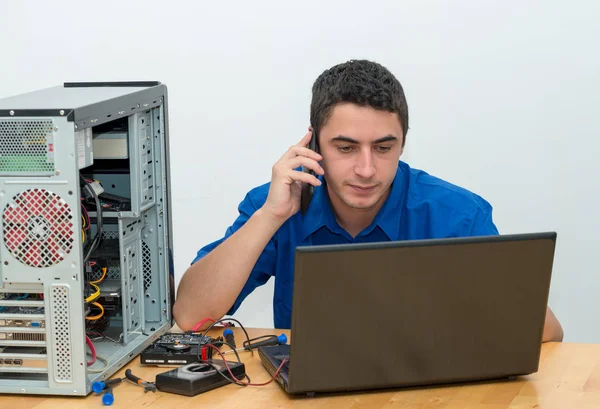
x=415, y=313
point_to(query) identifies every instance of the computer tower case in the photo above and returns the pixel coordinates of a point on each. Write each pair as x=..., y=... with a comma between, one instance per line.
x=86, y=280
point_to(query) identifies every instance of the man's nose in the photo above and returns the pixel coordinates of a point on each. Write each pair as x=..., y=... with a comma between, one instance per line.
x=365, y=167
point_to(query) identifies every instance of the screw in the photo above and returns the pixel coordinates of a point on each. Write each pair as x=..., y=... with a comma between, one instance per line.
x=62, y=112
x=6, y=263
x=120, y=214
x=57, y=172
x=135, y=214
x=55, y=128
x=11, y=112
x=22, y=390
x=148, y=137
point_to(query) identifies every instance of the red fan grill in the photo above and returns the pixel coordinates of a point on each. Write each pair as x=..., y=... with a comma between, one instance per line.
x=38, y=228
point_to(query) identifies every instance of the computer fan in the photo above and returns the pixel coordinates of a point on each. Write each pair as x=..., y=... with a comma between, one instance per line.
x=38, y=228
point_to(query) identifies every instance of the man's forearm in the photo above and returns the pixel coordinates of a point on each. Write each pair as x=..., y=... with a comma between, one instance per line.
x=210, y=286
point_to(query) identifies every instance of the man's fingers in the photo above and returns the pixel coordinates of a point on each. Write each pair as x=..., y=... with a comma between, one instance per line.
x=296, y=176
x=305, y=139
x=309, y=163
x=295, y=151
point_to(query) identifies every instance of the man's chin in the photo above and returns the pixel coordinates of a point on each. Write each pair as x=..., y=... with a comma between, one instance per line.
x=363, y=204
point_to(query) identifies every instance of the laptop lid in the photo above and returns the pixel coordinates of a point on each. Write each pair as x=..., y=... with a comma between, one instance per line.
x=391, y=314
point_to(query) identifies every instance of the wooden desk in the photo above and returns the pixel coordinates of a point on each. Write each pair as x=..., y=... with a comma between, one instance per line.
x=568, y=378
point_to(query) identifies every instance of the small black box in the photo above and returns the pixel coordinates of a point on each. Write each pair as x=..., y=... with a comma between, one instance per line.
x=193, y=379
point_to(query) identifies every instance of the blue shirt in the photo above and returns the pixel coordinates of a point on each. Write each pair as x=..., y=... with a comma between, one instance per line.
x=420, y=206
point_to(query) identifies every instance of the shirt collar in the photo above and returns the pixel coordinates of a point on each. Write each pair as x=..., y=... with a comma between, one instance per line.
x=320, y=213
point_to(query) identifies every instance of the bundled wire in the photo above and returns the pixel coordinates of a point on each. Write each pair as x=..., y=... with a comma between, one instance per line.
x=90, y=344
x=237, y=381
x=215, y=322
x=214, y=346
x=86, y=218
x=104, y=270
x=91, y=299
x=98, y=237
x=93, y=284
x=85, y=222
x=95, y=357
x=96, y=317
x=94, y=295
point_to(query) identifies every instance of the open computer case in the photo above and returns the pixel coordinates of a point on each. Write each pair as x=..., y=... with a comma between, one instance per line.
x=86, y=277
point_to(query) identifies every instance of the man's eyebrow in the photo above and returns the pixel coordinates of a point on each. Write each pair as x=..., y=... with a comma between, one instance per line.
x=342, y=138
x=388, y=138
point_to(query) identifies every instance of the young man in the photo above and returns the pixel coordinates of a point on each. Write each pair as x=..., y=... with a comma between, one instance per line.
x=362, y=193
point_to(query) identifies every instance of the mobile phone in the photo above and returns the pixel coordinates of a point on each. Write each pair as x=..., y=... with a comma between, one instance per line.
x=307, y=189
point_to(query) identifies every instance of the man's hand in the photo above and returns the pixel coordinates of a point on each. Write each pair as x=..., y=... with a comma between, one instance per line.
x=283, y=200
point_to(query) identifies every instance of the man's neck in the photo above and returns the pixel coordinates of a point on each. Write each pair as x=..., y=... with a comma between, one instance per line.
x=354, y=220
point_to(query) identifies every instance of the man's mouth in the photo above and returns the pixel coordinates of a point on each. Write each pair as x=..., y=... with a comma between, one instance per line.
x=363, y=189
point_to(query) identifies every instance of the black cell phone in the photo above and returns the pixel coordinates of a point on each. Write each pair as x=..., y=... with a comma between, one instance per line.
x=307, y=188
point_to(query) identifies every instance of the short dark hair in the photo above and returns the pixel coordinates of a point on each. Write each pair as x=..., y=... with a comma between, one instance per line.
x=362, y=82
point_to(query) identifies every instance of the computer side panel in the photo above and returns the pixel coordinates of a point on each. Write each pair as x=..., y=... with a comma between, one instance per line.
x=41, y=253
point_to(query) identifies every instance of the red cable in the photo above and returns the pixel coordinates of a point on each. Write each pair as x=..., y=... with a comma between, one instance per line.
x=198, y=325
x=246, y=383
x=89, y=343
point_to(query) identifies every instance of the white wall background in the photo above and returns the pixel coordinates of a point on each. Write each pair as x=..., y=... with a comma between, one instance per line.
x=504, y=99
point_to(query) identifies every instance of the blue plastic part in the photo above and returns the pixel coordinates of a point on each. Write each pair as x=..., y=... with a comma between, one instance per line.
x=98, y=387
x=282, y=339
x=108, y=399
x=227, y=331
x=35, y=324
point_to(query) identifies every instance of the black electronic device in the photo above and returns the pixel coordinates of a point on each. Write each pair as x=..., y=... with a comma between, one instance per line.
x=307, y=189
x=195, y=378
x=173, y=349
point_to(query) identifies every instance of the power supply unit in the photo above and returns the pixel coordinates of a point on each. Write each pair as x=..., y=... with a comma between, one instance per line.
x=86, y=271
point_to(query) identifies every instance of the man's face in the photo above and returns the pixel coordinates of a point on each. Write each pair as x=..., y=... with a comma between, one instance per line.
x=361, y=147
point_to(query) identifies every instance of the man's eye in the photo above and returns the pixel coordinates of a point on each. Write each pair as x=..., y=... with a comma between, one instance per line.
x=345, y=149
x=383, y=149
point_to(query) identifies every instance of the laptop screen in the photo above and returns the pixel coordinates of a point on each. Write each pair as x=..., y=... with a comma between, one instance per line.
x=418, y=312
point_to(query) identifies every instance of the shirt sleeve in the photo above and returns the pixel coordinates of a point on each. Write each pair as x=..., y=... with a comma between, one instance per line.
x=265, y=265
x=482, y=223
